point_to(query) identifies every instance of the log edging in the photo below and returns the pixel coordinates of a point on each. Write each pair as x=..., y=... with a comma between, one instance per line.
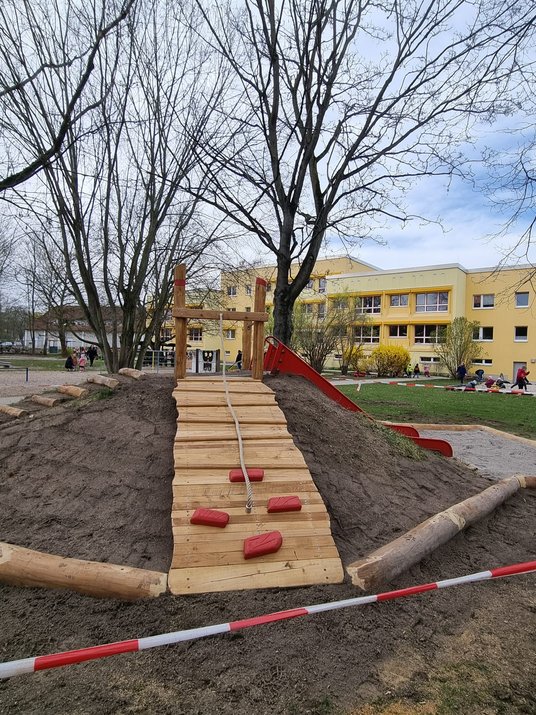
x=20, y=566
x=392, y=559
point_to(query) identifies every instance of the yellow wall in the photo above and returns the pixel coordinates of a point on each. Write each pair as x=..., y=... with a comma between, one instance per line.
x=503, y=350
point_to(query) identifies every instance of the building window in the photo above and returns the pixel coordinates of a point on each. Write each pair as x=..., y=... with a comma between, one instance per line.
x=195, y=335
x=308, y=308
x=322, y=285
x=310, y=284
x=483, y=361
x=483, y=334
x=248, y=309
x=321, y=311
x=368, y=304
x=429, y=333
x=399, y=301
x=521, y=333
x=248, y=290
x=484, y=300
x=230, y=334
x=432, y=303
x=231, y=291
x=367, y=333
x=398, y=331
x=427, y=358
x=522, y=300
x=340, y=304
x=231, y=309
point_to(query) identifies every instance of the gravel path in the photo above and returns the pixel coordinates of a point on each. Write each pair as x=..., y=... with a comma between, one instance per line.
x=13, y=385
x=495, y=456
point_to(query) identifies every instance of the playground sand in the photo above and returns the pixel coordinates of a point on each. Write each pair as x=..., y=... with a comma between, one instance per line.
x=93, y=481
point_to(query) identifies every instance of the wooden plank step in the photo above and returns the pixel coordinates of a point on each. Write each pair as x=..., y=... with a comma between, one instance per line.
x=255, y=573
x=245, y=415
x=233, y=386
x=261, y=516
x=194, y=560
x=206, y=536
x=236, y=491
x=212, y=501
x=228, y=457
x=234, y=544
x=217, y=431
x=214, y=399
x=216, y=475
x=316, y=526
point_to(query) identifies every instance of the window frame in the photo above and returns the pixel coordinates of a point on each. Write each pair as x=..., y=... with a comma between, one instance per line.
x=480, y=338
x=399, y=304
x=374, y=334
x=198, y=331
x=374, y=309
x=437, y=327
x=228, y=335
x=232, y=291
x=517, y=339
x=481, y=296
x=520, y=293
x=435, y=307
x=398, y=336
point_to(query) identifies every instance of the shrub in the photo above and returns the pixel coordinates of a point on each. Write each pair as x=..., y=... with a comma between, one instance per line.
x=389, y=360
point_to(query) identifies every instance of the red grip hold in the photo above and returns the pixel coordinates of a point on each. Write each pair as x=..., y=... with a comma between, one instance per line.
x=262, y=544
x=210, y=517
x=255, y=474
x=276, y=504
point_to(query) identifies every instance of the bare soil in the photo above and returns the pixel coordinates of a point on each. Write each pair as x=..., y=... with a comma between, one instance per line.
x=92, y=480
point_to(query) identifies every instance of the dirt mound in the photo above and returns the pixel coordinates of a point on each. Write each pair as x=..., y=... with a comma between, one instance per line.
x=93, y=480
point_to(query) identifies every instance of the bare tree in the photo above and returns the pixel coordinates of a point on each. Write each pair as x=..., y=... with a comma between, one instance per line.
x=119, y=215
x=457, y=346
x=40, y=43
x=339, y=105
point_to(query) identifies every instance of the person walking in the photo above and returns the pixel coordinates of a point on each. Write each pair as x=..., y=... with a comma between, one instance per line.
x=416, y=370
x=521, y=378
x=461, y=372
x=238, y=360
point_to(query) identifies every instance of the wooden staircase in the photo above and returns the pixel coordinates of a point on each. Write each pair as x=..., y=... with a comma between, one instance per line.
x=206, y=558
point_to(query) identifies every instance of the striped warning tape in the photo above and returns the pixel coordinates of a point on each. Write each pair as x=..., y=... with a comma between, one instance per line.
x=463, y=388
x=43, y=662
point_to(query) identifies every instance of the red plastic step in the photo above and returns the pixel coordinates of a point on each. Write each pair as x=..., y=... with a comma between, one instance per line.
x=262, y=544
x=255, y=474
x=276, y=504
x=210, y=517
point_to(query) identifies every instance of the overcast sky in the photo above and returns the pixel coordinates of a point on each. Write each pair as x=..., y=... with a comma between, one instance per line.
x=470, y=223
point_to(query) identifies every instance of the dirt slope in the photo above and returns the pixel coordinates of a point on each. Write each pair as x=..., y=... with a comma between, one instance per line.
x=93, y=481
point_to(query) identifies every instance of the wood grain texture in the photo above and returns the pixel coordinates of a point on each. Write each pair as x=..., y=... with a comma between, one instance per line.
x=206, y=448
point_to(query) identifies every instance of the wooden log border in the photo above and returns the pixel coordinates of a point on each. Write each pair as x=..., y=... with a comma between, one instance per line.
x=389, y=561
x=25, y=567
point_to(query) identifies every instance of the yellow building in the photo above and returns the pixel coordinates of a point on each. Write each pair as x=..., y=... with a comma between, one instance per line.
x=410, y=307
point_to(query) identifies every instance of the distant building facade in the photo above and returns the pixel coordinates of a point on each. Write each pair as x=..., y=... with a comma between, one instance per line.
x=410, y=307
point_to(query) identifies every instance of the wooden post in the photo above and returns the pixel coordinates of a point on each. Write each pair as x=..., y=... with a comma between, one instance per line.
x=258, y=330
x=179, y=301
x=246, y=344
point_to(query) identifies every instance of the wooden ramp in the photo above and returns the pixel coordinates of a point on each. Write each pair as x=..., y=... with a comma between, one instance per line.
x=206, y=558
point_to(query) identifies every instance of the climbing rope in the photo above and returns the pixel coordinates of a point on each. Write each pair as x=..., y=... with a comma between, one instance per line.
x=249, y=490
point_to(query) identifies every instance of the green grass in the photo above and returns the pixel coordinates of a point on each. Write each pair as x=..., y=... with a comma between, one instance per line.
x=511, y=413
x=49, y=363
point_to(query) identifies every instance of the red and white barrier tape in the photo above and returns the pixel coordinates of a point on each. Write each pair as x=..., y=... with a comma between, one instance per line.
x=42, y=662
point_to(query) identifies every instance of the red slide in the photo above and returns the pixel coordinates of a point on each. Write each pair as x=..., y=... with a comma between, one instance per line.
x=281, y=359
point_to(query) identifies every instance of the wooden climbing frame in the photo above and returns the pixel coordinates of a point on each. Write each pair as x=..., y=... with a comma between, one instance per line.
x=253, y=323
